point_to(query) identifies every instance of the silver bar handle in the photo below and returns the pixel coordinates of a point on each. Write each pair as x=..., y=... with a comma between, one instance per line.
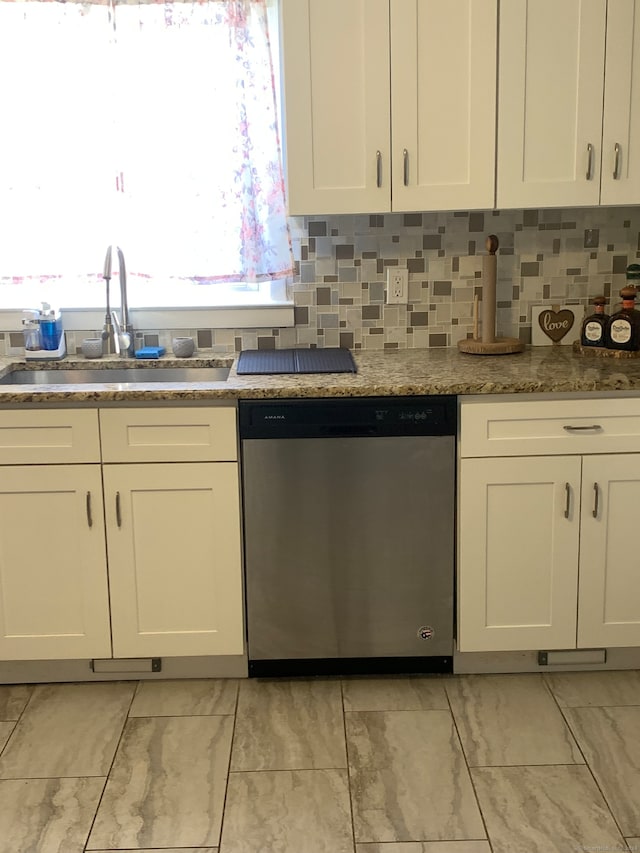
x=378, y=169
x=616, y=162
x=89, y=516
x=589, y=428
x=567, y=506
x=596, y=499
x=405, y=166
x=589, y=161
x=118, y=513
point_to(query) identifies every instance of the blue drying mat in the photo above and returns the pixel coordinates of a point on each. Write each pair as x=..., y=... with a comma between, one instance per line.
x=328, y=360
x=150, y=352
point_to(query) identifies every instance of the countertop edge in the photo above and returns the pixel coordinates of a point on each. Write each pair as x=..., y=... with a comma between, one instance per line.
x=380, y=374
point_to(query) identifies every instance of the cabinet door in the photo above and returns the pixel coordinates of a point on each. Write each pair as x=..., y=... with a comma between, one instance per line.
x=443, y=103
x=551, y=79
x=53, y=578
x=173, y=540
x=621, y=131
x=609, y=602
x=337, y=112
x=518, y=553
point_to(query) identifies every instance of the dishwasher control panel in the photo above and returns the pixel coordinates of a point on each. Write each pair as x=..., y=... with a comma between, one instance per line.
x=330, y=417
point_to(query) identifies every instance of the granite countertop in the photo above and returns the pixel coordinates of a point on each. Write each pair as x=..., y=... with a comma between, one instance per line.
x=398, y=372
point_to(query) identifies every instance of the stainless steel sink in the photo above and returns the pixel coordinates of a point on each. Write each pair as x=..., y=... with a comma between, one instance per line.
x=120, y=375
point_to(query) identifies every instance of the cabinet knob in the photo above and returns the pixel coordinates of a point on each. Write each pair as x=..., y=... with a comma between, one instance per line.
x=378, y=169
x=567, y=506
x=89, y=515
x=405, y=166
x=118, y=514
x=596, y=498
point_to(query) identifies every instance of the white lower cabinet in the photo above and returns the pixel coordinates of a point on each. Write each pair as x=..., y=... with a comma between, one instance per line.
x=173, y=538
x=54, y=599
x=609, y=600
x=547, y=553
x=518, y=553
x=163, y=577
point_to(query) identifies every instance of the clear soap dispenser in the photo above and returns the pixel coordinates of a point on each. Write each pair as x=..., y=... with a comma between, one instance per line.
x=31, y=330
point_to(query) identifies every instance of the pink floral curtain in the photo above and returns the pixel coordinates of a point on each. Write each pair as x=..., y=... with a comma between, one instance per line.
x=153, y=125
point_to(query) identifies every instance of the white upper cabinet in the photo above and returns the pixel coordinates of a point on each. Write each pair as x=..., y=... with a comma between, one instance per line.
x=389, y=104
x=337, y=109
x=569, y=103
x=443, y=103
x=621, y=126
x=551, y=77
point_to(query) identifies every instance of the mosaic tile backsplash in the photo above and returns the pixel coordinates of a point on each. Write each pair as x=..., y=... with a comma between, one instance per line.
x=545, y=257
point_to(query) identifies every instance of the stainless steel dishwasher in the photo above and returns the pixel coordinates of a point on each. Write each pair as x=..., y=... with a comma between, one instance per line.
x=349, y=534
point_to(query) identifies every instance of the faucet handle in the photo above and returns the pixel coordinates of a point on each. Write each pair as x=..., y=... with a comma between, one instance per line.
x=122, y=338
x=118, y=332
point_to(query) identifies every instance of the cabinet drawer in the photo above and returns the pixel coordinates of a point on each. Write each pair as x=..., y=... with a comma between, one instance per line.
x=169, y=435
x=532, y=428
x=49, y=436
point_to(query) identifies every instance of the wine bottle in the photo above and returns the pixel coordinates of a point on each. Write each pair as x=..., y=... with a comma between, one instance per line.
x=623, y=328
x=594, y=326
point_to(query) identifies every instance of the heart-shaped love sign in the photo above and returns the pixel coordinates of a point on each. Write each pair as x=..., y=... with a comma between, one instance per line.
x=556, y=324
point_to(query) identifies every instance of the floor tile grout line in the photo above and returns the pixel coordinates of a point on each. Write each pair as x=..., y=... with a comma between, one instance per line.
x=212, y=714
x=511, y=766
x=464, y=758
x=286, y=770
x=20, y=716
x=52, y=778
x=594, y=777
x=178, y=716
x=586, y=763
x=547, y=682
x=113, y=760
x=135, y=693
x=346, y=752
x=218, y=847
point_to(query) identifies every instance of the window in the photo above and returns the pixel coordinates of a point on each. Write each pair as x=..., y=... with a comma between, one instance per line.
x=147, y=125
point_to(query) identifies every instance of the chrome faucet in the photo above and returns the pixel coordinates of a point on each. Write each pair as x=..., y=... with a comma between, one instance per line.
x=119, y=333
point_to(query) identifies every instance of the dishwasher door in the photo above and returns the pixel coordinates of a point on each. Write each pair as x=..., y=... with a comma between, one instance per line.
x=349, y=547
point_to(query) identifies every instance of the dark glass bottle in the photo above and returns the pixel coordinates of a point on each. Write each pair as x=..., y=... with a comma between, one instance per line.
x=594, y=326
x=623, y=328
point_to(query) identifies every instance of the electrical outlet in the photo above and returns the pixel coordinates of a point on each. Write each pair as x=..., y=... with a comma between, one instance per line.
x=591, y=238
x=397, y=285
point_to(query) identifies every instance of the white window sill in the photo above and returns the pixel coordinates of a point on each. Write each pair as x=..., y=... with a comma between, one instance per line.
x=276, y=315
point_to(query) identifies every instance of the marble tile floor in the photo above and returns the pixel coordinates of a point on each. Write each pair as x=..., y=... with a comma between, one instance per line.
x=443, y=764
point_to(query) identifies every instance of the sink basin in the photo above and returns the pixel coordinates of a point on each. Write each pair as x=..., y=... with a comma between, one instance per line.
x=121, y=375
